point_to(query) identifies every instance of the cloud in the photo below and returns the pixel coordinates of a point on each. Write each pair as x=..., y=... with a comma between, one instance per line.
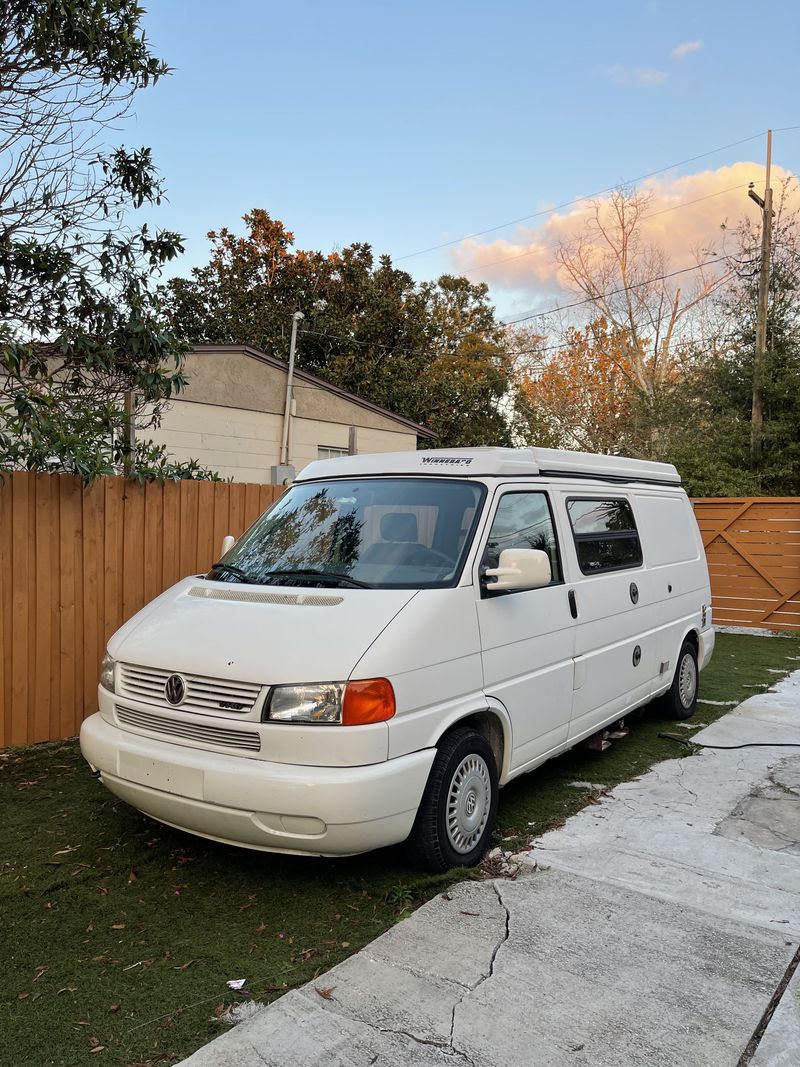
x=685, y=48
x=636, y=77
x=683, y=215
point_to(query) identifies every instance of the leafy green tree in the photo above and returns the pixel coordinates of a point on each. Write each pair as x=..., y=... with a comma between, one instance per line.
x=432, y=351
x=713, y=406
x=80, y=326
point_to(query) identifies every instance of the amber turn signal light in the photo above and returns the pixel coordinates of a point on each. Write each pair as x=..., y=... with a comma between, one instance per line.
x=368, y=701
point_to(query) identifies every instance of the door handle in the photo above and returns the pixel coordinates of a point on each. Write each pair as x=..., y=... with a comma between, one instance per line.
x=573, y=604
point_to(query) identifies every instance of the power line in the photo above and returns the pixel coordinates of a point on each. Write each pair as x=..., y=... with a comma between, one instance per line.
x=579, y=199
x=525, y=318
x=612, y=292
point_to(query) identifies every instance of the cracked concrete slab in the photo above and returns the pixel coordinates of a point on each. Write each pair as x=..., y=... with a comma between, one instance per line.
x=780, y=1045
x=296, y=1031
x=455, y=937
x=675, y=832
x=593, y=974
x=659, y=927
x=769, y=816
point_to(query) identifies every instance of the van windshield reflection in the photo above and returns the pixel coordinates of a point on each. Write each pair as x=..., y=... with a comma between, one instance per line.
x=383, y=533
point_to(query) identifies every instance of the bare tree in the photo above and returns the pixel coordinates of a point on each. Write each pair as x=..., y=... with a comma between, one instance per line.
x=632, y=285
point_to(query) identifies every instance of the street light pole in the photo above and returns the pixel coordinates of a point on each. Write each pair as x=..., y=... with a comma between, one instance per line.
x=297, y=318
x=757, y=417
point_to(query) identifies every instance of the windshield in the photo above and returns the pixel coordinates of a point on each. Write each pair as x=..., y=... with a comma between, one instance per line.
x=408, y=533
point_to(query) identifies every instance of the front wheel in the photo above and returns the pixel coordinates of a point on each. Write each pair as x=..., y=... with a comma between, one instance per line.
x=680, y=700
x=458, y=809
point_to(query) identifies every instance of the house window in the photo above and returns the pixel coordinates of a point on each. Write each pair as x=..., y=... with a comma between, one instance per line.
x=605, y=535
x=329, y=452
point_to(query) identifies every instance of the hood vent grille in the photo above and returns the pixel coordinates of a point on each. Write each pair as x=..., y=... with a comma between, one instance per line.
x=251, y=596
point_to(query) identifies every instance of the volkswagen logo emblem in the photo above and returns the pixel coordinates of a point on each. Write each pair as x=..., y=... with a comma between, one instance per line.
x=175, y=689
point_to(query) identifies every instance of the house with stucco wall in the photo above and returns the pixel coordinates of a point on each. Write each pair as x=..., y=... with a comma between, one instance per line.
x=233, y=414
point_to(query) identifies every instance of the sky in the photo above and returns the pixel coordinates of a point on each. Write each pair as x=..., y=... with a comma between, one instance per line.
x=411, y=125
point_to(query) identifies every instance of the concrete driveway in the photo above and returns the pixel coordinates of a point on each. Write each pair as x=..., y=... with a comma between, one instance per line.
x=660, y=926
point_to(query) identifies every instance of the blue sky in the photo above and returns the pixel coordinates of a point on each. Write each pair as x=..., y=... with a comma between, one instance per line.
x=409, y=124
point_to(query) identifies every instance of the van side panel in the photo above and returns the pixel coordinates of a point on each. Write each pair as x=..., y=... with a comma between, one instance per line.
x=628, y=638
x=677, y=561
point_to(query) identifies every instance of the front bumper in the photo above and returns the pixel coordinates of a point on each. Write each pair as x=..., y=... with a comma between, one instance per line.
x=277, y=807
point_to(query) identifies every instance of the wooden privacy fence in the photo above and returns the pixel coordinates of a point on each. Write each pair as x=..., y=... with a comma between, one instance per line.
x=76, y=562
x=753, y=551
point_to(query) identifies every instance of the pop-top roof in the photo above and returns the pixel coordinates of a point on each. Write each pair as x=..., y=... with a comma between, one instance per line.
x=495, y=463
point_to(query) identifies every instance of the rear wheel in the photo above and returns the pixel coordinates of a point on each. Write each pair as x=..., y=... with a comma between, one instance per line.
x=458, y=810
x=680, y=700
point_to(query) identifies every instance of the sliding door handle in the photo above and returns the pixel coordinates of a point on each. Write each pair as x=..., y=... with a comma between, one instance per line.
x=573, y=604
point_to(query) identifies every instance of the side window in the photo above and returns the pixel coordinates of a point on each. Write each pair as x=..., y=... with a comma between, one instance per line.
x=605, y=535
x=523, y=520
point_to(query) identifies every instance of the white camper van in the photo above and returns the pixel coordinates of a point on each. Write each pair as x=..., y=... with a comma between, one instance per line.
x=397, y=637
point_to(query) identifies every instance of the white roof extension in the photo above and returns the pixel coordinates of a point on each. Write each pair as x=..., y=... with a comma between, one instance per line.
x=494, y=463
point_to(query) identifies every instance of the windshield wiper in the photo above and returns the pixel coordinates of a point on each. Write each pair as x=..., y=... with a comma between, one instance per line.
x=237, y=572
x=309, y=572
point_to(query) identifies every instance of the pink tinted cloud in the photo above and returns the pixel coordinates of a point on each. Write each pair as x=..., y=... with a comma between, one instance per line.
x=684, y=214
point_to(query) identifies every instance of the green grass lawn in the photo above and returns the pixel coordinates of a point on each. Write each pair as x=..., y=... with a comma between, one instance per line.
x=117, y=935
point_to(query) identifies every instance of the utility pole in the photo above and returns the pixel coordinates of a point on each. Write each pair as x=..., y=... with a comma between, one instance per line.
x=297, y=318
x=757, y=418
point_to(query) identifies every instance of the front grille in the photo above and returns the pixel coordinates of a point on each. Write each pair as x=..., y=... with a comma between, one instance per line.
x=184, y=729
x=202, y=694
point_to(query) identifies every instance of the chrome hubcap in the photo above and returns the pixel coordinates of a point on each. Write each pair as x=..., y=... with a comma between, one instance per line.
x=468, y=801
x=687, y=681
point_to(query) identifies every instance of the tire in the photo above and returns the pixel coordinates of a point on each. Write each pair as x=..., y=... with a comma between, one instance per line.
x=458, y=810
x=680, y=700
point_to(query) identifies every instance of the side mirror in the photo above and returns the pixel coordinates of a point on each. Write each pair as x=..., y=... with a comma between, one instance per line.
x=228, y=541
x=520, y=568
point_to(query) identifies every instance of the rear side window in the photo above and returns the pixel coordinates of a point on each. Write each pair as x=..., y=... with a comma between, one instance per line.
x=605, y=534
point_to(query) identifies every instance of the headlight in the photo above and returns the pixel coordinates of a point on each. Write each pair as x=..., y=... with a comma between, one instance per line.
x=345, y=703
x=307, y=703
x=107, y=673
